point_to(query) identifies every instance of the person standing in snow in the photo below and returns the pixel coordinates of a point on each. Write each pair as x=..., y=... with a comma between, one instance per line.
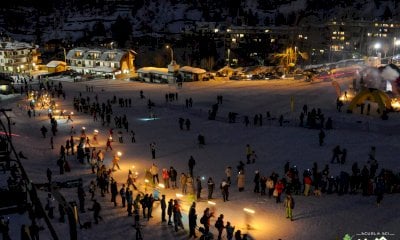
x=256, y=181
x=96, y=208
x=198, y=187
x=321, y=137
x=289, y=206
x=170, y=210
x=153, y=150
x=163, y=205
x=191, y=165
x=228, y=173
x=211, y=186
x=248, y=152
x=241, y=181
x=182, y=181
x=192, y=220
x=225, y=190
x=154, y=173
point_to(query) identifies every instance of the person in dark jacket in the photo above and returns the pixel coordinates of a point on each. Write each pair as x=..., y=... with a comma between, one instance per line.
x=81, y=198
x=96, y=208
x=170, y=210
x=114, y=192
x=163, y=207
x=192, y=220
x=256, y=182
x=198, y=187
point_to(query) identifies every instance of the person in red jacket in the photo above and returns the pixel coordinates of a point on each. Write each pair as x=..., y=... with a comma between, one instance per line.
x=278, y=190
x=307, y=185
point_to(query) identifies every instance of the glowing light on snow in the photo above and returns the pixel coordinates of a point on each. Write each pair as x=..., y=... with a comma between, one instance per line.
x=178, y=195
x=211, y=202
x=395, y=103
x=161, y=185
x=249, y=210
x=147, y=119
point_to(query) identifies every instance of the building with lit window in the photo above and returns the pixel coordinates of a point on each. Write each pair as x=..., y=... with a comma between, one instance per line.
x=371, y=38
x=18, y=57
x=104, y=62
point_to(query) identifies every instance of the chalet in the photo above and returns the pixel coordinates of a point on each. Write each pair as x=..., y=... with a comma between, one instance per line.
x=18, y=57
x=110, y=62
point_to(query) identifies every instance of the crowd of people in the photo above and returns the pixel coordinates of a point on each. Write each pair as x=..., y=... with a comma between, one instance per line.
x=129, y=196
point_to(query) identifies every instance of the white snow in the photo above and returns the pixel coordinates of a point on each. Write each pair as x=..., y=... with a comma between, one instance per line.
x=324, y=217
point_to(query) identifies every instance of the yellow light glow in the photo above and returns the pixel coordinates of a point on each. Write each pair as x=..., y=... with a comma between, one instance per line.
x=83, y=128
x=211, y=202
x=119, y=154
x=179, y=195
x=395, y=103
x=146, y=181
x=249, y=210
x=161, y=185
x=96, y=131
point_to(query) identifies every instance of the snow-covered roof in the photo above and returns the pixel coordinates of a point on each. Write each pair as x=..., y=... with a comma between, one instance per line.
x=192, y=70
x=153, y=70
x=15, y=45
x=104, y=54
x=53, y=64
x=71, y=53
x=112, y=55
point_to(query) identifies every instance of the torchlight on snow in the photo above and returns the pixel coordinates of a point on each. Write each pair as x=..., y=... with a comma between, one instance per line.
x=178, y=195
x=147, y=119
x=161, y=185
x=249, y=210
x=211, y=202
x=395, y=103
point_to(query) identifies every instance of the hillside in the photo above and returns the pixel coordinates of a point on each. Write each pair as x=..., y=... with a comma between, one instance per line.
x=33, y=21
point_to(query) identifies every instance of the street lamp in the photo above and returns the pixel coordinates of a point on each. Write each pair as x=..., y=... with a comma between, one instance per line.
x=172, y=53
x=377, y=46
x=396, y=43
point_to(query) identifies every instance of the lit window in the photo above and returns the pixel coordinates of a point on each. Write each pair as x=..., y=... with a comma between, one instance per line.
x=241, y=35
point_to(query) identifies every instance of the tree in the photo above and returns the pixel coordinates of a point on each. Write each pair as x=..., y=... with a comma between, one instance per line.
x=288, y=58
x=387, y=14
x=121, y=30
x=99, y=29
x=207, y=63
